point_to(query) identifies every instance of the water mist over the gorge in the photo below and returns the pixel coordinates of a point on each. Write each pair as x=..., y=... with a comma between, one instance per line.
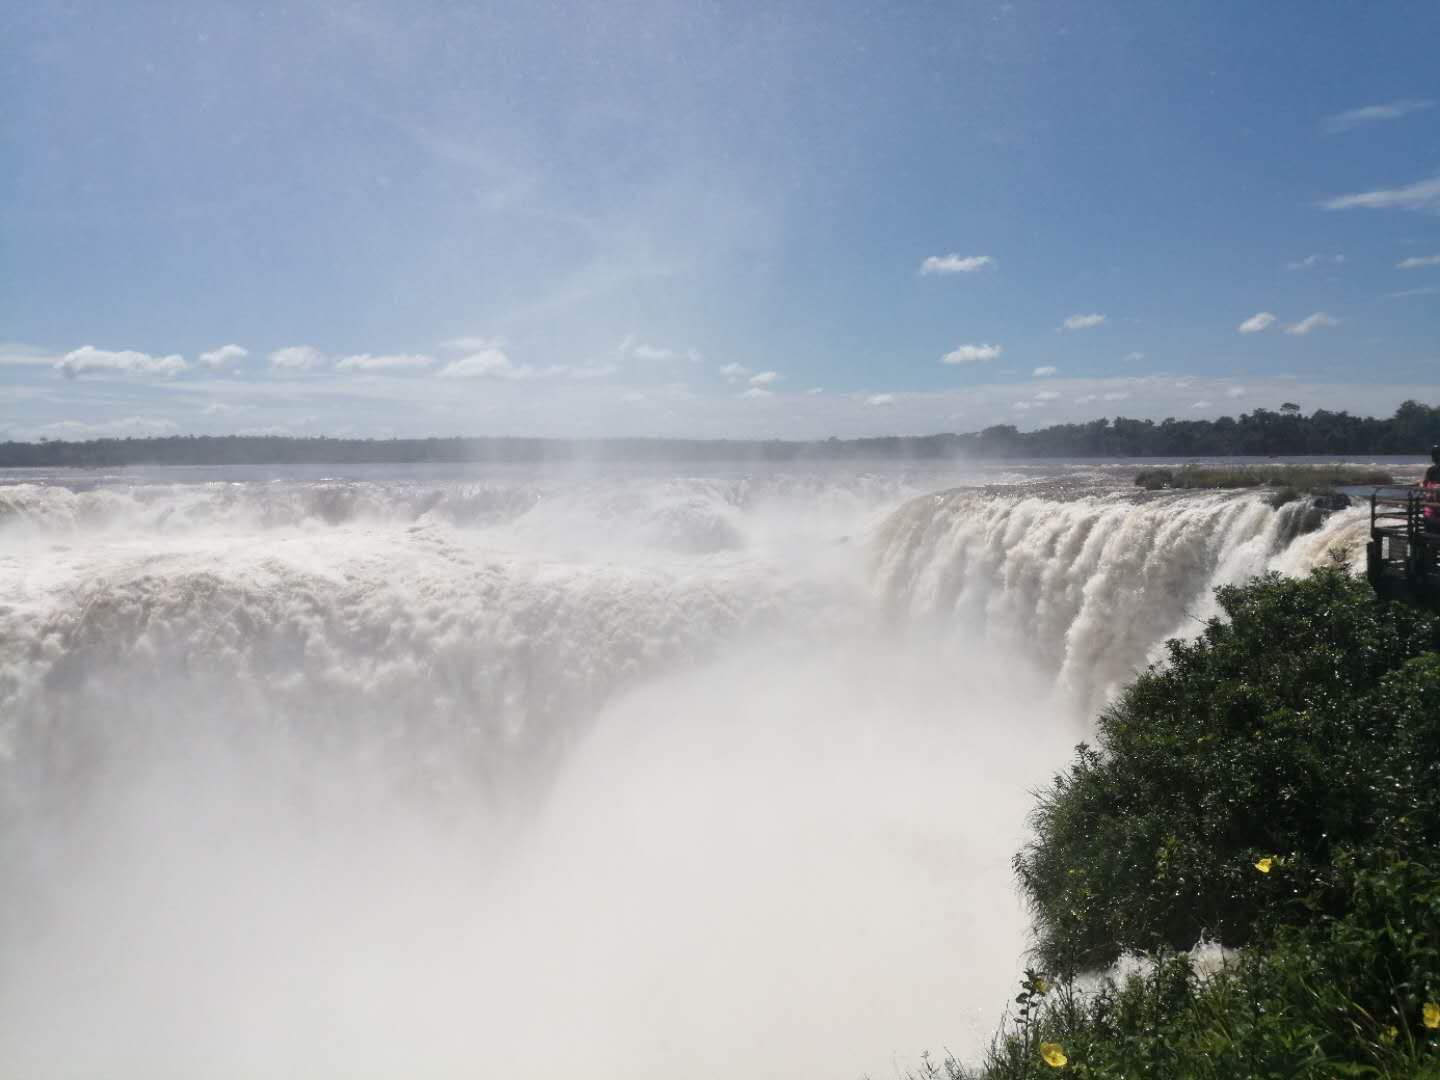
x=526, y=773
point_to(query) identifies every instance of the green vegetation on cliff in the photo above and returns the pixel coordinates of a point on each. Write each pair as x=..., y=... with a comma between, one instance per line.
x=1274, y=786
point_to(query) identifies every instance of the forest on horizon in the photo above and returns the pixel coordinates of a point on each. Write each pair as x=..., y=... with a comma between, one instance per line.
x=1413, y=429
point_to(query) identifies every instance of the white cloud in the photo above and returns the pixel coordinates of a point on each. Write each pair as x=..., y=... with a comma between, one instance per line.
x=955, y=264
x=88, y=359
x=1082, y=322
x=1421, y=195
x=130, y=425
x=877, y=400
x=296, y=358
x=473, y=344
x=765, y=378
x=757, y=392
x=1416, y=262
x=1202, y=405
x=1235, y=392
x=218, y=358
x=1134, y=357
x=587, y=370
x=1023, y=406
x=485, y=364
x=224, y=408
x=13, y=353
x=1048, y=395
x=815, y=390
x=1085, y=399
x=1311, y=322
x=1370, y=114
x=734, y=372
x=1046, y=371
x=971, y=354
x=387, y=362
x=1261, y=320
x=1116, y=395
x=1312, y=261
x=652, y=352
x=1425, y=290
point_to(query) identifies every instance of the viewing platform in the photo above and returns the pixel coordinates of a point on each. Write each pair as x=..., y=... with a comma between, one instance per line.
x=1404, y=550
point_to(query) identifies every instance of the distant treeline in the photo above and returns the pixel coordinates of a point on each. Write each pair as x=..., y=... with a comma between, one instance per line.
x=1412, y=430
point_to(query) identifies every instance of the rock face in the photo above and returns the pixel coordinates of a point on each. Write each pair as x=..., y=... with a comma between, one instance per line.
x=1328, y=504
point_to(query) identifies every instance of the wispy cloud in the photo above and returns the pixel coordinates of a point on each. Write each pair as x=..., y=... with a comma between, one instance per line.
x=1312, y=322
x=388, y=362
x=653, y=352
x=1424, y=290
x=296, y=358
x=1372, y=114
x=1416, y=262
x=1203, y=405
x=1312, y=261
x=1048, y=395
x=218, y=358
x=1082, y=322
x=1046, y=371
x=765, y=378
x=757, y=393
x=1421, y=195
x=18, y=355
x=955, y=264
x=734, y=372
x=1235, y=392
x=485, y=364
x=880, y=400
x=88, y=360
x=472, y=344
x=129, y=425
x=971, y=354
x=1261, y=320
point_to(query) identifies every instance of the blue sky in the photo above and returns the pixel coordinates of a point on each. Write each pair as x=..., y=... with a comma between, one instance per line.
x=711, y=219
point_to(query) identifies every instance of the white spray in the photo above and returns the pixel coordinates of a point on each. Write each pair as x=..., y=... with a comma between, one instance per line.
x=632, y=778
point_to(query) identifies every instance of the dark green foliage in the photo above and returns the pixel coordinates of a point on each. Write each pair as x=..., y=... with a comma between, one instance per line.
x=1304, y=723
x=1412, y=430
x=1342, y=996
x=1289, y=480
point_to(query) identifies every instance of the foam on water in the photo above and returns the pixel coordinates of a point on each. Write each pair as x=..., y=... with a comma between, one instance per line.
x=628, y=776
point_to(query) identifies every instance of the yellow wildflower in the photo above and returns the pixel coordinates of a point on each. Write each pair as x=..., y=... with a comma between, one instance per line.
x=1054, y=1055
x=1040, y=986
x=1265, y=864
x=1431, y=1015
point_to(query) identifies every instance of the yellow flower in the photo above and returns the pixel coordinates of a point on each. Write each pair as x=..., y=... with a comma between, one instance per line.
x=1389, y=1035
x=1039, y=985
x=1053, y=1054
x=1265, y=864
x=1431, y=1015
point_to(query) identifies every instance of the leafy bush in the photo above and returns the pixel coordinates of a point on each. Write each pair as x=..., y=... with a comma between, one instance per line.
x=1351, y=995
x=1304, y=723
x=1297, y=479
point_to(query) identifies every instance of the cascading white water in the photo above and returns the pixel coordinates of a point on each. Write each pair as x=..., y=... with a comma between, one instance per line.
x=529, y=776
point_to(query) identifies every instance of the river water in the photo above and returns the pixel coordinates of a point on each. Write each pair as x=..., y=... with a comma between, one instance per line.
x=538, y=772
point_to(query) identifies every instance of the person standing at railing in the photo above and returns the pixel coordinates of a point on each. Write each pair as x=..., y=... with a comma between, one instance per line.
x=1431, y=490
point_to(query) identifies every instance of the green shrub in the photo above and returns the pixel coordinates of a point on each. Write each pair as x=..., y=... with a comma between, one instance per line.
x=1299, y=479
x=1304, y=723
x=1345, y=996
